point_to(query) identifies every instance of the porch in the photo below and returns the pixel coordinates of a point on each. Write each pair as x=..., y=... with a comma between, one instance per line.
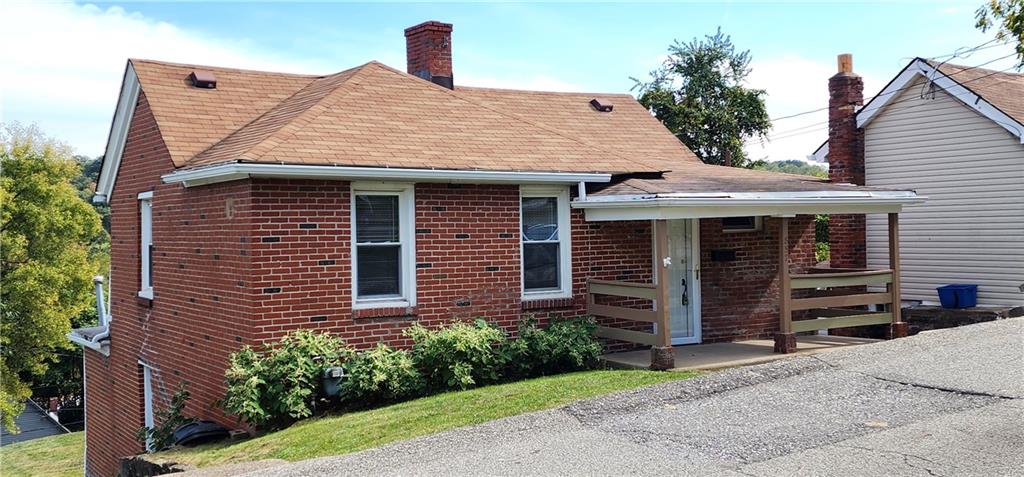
x=806, y=300
x=729, y=355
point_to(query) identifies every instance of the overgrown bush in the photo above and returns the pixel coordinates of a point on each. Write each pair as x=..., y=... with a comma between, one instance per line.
x=166, y=421
x=272, y=387
x=381, y=375
x=458, y=356
x=564, y=345
x=821, y=252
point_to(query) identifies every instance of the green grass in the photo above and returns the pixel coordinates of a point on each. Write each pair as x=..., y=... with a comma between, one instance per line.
x=355, y=431
x=342, y=434
x=57, y=456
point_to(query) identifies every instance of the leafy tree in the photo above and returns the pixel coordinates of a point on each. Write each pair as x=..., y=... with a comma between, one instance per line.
x=698, y=94
x=45, y=261
x=793, y=167
x=1007, y=17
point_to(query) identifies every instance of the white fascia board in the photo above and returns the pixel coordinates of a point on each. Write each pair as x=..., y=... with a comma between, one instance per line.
x=235, y=171
x=695, y=206
x=820, y=155
x=921, y=68
x=118, y=135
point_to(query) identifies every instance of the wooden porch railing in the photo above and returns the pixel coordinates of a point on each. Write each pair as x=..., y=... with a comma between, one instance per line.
x=831, y=309
x=647, y=291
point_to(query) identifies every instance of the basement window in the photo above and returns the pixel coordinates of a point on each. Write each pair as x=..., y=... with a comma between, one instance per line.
x=741, y=224
x=546, y=263
x=146, y=245
x=383, y=248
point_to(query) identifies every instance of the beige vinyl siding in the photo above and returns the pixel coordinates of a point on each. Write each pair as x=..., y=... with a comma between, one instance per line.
x=971, y=229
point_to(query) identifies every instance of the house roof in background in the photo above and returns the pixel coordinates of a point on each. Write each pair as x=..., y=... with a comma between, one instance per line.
x=375, y=116
x=1005, y=90
x=997, y=95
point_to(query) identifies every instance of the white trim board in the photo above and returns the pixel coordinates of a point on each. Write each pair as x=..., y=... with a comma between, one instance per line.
x=237, y=170
x=969, y=98
x=118, y=135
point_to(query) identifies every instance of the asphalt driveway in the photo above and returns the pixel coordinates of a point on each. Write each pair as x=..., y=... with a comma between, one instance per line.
x=948, y=402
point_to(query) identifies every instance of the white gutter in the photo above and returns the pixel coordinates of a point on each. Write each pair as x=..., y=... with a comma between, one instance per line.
x=711, y=205
x=235, y=171
x=101, y=310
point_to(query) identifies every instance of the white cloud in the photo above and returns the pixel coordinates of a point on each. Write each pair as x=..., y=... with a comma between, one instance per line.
x=795, y=85
x=63, y=63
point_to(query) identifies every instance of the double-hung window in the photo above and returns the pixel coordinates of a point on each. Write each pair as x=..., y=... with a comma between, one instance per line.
x=146, y=245
x=546, y=263
x=384, y=253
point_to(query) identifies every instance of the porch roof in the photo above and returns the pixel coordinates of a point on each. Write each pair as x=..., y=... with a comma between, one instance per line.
x=699, y=191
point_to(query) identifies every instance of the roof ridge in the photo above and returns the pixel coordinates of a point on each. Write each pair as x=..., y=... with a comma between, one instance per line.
x=226, y=68
x=267, y=141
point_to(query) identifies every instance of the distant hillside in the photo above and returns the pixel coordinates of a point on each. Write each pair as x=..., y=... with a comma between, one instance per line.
x=794, y=167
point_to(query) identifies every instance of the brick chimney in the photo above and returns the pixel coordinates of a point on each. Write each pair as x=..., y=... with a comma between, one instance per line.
x=428, y=52
x=848, y=243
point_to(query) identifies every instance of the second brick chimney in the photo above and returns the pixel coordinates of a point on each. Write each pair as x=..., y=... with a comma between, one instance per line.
x=428, y=52
x=848, y=242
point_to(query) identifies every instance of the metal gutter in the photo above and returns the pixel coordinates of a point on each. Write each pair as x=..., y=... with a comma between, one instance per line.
x=235, y=171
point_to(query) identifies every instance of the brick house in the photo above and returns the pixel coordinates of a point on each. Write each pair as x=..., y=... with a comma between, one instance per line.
x=247, y=204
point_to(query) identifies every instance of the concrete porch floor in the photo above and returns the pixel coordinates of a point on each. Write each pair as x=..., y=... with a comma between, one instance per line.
x=728, y=355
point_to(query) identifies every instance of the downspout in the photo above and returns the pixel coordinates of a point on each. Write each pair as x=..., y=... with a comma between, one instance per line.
x=101, y=310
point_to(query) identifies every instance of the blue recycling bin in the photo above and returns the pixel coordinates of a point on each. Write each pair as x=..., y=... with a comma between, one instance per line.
x=958, y=295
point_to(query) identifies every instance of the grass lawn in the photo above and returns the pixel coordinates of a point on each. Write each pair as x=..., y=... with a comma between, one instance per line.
x=355, y=431
x=57, y=456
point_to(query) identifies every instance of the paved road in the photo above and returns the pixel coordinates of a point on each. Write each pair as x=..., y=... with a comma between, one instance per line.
x=947, y=402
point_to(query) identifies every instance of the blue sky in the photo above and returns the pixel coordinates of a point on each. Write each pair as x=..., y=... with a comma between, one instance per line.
x=65, y=72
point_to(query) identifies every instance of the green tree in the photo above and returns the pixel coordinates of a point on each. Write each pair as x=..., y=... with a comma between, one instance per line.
x=46, y=235
x=1007, y=17
x=698, y=94
x=793, y=166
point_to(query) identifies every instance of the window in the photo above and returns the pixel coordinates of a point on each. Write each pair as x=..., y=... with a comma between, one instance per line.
x=546, y=263
x=384, y=274
x=146, y=245
x=741, y=224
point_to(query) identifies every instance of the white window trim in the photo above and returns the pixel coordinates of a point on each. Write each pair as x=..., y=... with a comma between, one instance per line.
x=406, y=231
x=758, y=225
x=147, y=402
x=145, y=240
x=564, y=239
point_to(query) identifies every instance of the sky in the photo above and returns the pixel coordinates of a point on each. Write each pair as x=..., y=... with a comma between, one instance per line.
x=61, y=64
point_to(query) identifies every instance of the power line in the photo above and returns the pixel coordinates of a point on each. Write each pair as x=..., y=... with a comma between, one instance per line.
x=959, y=53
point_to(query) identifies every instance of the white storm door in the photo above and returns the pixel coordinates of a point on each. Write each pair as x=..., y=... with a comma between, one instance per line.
x=683, y=286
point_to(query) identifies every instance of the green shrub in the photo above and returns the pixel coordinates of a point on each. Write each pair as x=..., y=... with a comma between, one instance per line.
x=381, y=375
x=821, y=252
x=166, y=421
x=565, y=345
x=458, y=356
x=281, y=383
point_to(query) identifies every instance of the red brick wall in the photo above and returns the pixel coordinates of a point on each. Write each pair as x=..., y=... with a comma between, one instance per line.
x=739, y=299
x=200, y=311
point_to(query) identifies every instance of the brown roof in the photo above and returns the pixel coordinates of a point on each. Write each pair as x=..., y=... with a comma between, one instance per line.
x=374, y=115
x=1003, y=89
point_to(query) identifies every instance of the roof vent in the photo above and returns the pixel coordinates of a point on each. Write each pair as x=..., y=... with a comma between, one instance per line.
x=602, y=105
x=203, y=79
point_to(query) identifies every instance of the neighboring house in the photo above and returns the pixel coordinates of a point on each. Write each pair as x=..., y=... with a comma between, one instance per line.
x=954, y=134
x=34, y=422
x=248, y=204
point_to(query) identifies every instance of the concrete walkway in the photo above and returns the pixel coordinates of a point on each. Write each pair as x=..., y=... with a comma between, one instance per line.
x=730, y=355
x=948, y=402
